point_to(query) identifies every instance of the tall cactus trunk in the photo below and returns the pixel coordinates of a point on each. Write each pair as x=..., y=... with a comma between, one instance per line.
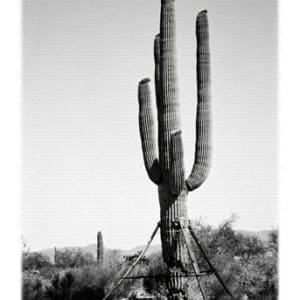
x=172, y=204
x=173, y=208
x=167, y=171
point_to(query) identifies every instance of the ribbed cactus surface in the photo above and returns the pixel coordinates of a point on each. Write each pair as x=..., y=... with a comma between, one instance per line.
x=165, y=167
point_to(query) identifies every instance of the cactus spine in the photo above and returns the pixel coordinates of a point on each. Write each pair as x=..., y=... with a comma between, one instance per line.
x=100, y=248
x=166, y=169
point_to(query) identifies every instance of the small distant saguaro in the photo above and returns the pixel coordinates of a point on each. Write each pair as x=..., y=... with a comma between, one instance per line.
x=100, y=248
x=164, y=164
x=55, y=256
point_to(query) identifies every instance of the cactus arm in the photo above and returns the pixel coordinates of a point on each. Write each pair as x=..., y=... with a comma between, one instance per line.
x=202, y=158
x=176, y=175
x=158, y=95
x=146, y=124
x=157, y=69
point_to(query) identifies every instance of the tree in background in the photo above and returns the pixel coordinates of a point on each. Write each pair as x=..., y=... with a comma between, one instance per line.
x=34, y=261
x=247, y=264
x=70, y=258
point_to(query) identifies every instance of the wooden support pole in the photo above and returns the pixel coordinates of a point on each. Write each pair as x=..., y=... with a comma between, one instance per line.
x=193, y=260
x=209, y=263
x=135, y=263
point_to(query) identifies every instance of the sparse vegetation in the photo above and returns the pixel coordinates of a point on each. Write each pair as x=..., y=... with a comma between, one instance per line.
x=247, y=264
x=70, y=258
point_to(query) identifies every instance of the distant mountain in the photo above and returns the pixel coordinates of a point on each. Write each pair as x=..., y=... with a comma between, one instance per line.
x=92, y=248
x=263, y=235
x=150, y=250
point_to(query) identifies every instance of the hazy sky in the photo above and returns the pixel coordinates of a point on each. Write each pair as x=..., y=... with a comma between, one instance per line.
x=82, y=160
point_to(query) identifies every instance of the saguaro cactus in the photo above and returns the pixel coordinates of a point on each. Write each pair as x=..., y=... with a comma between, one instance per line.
x=55, y=256
x=100, y=248
x=166, y=169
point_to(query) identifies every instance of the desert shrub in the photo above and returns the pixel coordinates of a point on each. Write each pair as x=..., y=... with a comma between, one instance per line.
x=88, y=293
x=33, y=286
x=71, y=258
x=89, y=282
x=49, y=272
x=247, y=265
x=156, y=286
x=34, y=261
x=60, y=287
x=85, y=282
x=68, y=286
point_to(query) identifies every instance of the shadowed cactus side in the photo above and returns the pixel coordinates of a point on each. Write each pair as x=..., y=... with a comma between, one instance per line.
x=165, y=167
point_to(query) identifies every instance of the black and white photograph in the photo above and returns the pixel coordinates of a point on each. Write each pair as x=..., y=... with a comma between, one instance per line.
x=149, y=150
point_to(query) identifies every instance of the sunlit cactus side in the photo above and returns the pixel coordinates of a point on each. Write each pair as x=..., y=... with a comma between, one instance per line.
x=100, y=248
x=165, y=167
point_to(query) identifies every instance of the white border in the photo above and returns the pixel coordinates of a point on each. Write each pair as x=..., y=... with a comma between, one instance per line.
x=10, y=118
x=289, y=52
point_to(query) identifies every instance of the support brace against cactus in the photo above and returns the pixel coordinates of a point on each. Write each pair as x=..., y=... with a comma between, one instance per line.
x=166, y=169
x=197, y=273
